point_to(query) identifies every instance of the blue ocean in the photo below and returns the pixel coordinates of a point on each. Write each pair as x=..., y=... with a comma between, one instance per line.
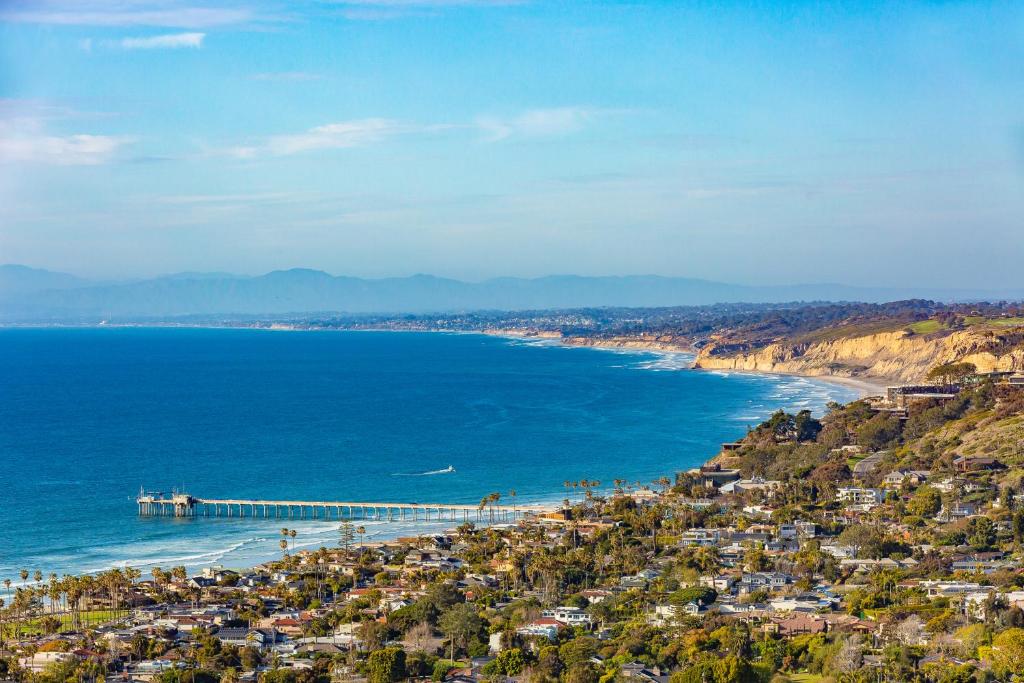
x=88, y=416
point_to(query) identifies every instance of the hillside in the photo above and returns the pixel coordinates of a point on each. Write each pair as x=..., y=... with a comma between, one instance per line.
x=897, y=355
x=985, y=420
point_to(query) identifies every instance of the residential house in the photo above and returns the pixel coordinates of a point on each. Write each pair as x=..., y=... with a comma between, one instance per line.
x=860, y=496
x=756, y=581
x=722, y=583
x=796, y=624
x=755, y=484
x=570, y=616
x=546, y=627
x=971, y=463
x=700, y=537
x=956, y=511
x=897, y=478
x=260, y=638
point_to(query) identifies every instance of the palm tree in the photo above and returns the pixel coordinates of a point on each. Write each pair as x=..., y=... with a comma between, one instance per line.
x=24, y=577
x=512, y=495
x=292, y=533
x=491, y=499
x=360, y=530
x=132, y=574
x=7, y=585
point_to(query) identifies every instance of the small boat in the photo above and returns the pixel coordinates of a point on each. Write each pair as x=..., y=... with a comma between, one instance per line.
x=448, y=469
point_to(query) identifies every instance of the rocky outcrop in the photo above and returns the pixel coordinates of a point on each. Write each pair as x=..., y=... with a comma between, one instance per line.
x=897, y=356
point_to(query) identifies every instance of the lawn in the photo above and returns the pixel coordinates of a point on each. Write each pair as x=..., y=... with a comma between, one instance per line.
x=91, y=618
x=994, y=322
x=804, y=678
x=926, y=326
x=1008, y=322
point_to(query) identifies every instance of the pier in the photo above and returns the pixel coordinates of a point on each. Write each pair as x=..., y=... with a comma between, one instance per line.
x=185, y=505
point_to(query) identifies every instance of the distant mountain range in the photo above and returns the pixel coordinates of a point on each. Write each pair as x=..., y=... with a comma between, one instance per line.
x=34, y=295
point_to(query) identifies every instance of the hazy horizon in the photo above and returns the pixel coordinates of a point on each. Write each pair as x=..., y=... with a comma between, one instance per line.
x=90, y=280
x=874, y=144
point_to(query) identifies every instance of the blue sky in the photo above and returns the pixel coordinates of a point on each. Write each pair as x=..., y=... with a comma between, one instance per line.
x=749, y=142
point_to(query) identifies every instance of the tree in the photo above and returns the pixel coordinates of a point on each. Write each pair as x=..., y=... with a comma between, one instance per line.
x=878, y=432
x=373, y=634
x=419, y=634
x=910, y=631
x=458, y=624
x=926, y=502
x=346, y=534
x=1007, y=652
x=951, y=373
x=386, y=665
x=981, y=533
x=1018, y=526
x=582, y=672
x=807, y=428
x=864, y=540
x=850, y=656
x=577, y=651
x=699, y=594
x=510, y=662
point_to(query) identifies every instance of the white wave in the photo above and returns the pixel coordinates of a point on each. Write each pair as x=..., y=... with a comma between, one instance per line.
x=194, y=559
x=446, y=470
x=667, y=362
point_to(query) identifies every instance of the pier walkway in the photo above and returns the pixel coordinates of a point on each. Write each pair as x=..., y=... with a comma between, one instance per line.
x=185, y=505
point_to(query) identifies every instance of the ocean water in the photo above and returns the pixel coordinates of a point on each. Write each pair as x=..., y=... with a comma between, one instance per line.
x=88, y=416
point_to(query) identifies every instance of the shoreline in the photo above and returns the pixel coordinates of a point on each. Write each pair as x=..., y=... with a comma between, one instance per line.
x=864, y=386
x=549, y=500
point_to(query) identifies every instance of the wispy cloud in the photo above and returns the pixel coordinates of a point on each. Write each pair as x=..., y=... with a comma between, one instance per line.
x=22, y=112
x=286, y=76
x=25, y=138
x=71, y=150
x=341, y=135
x=363, y=132
x=169, y=41
x=536, y=123
x=126, y=13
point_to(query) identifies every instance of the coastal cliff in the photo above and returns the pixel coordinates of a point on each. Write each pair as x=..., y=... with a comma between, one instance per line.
x=666, y=342
x=900, y=355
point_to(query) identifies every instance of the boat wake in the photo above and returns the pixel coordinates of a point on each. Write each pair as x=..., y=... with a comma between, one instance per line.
x=446, y=470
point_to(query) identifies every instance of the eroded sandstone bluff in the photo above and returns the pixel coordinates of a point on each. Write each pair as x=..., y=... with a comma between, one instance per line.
x=899, y=355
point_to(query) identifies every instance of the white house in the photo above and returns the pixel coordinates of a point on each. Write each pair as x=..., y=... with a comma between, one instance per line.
x=571, y=616
x=859, y=496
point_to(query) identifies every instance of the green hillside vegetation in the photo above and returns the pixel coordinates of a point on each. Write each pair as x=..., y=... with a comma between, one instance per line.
x=985, y=420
